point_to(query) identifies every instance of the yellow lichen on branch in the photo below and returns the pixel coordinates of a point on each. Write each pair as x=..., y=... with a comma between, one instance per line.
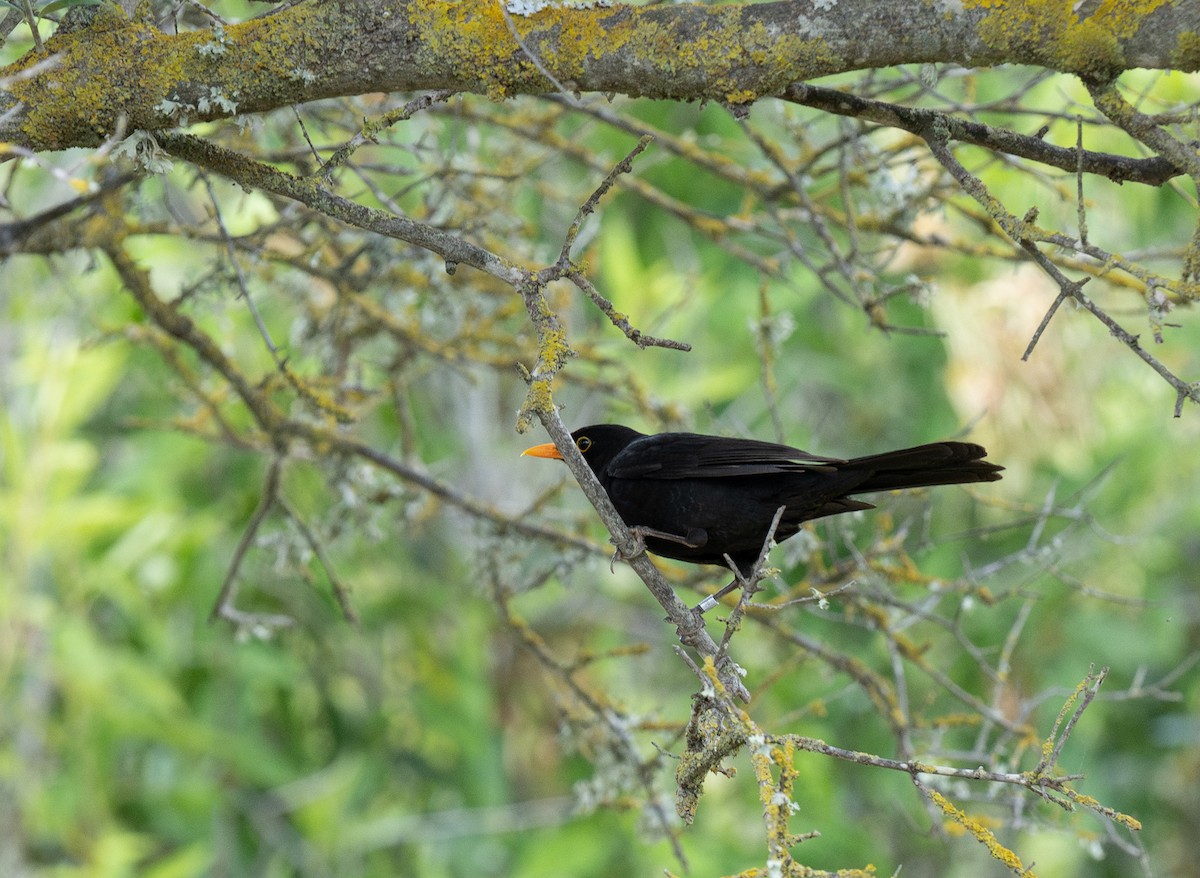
x=982, y=834
x=116, y=69
x=1055, y=32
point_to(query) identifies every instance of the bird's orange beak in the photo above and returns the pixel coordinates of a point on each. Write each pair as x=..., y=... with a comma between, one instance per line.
x=547, y=450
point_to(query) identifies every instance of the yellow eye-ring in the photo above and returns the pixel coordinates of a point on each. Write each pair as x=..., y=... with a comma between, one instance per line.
x=583, y=443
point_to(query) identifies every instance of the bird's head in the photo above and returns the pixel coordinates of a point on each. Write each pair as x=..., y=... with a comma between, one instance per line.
x=598, y=444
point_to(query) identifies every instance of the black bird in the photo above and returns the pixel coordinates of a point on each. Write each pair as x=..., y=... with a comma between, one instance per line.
x=699, y=498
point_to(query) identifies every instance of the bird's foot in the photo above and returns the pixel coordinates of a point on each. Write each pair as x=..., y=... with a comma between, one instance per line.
x=639, y=548
x=686, y=631
x=695, y=538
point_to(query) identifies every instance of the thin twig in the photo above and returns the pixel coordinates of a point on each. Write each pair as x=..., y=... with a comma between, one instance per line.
x=564, y=267
x=620, y=320
x=814, y=597
x=624, y=166
x=223, y=607
x=242, y=283
x=340, y=591
x=749, y=585
x=1049, y=315
x=1151, y=171
x=936, y=139
x=31, y=19
x=370, y=131
x=1087, y=691
x=1080, y=204
x=571, y=98
x=1015, y=778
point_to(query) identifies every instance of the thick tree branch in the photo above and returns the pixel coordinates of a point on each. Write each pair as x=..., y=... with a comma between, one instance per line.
x=119, y=70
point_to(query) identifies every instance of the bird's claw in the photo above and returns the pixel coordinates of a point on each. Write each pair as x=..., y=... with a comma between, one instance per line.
x=639, y=548
x=694, y=539
x=687, y=630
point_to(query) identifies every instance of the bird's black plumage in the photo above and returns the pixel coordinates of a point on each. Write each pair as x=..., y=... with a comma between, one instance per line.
x=717, y=496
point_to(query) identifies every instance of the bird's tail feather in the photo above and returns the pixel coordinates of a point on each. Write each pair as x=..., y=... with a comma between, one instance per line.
x=939, y=463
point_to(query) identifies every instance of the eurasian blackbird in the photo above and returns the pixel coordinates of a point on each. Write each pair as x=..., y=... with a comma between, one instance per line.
x=699, y=498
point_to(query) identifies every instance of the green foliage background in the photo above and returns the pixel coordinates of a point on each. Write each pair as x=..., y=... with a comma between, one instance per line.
x=136, y=738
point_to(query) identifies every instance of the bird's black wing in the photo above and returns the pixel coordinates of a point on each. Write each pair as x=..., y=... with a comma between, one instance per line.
x=692, y=456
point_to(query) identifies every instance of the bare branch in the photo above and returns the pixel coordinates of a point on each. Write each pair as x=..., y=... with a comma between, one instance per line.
x=1014, y=228
x=223, y=607
x=1122, y=169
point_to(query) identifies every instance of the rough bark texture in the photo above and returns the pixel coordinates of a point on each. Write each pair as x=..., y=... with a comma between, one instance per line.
x=119, y=71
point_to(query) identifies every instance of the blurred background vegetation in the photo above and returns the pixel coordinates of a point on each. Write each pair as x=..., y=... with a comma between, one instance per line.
x=839, y=294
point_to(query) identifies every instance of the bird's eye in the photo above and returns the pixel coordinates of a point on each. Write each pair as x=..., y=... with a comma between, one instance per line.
x=583, y=443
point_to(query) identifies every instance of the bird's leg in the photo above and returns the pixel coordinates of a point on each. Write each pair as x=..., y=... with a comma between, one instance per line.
x=713, y=599
x=694, y=539
x=739, y=579
x=747, y=581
